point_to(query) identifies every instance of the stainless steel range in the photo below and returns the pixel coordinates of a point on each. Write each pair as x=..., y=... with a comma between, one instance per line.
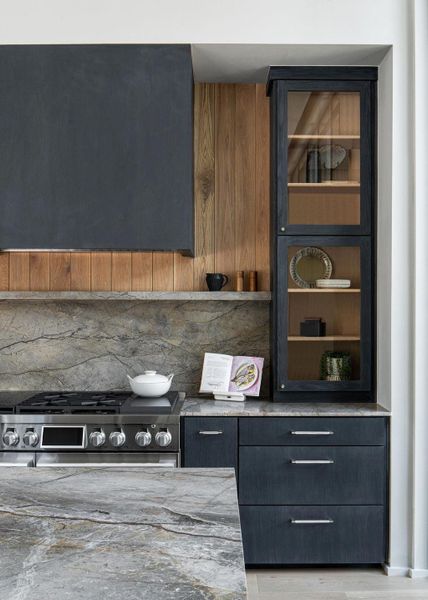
x=109, y=429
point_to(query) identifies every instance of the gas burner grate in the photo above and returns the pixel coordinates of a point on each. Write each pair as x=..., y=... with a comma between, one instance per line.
x=93, y=410
x=45, y=410
x=74, y=402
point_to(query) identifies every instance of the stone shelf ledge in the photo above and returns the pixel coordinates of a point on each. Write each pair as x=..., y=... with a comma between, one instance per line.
x=184, y=296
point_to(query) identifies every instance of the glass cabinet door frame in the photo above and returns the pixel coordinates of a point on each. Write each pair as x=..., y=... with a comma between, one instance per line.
x=282, y=384
x=279, y=133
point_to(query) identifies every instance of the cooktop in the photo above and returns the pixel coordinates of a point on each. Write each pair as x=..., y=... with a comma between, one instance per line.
x=87, y=402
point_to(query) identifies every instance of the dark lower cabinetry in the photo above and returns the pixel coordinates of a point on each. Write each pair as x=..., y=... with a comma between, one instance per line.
x=312, y=490
x=313, y=534
x=210, y=442
x=308, y=431
x=311, y=475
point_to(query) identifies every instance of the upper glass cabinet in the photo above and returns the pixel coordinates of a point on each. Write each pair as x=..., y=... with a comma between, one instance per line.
x=323, y=157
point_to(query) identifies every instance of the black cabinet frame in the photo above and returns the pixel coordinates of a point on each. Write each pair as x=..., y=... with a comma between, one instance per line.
x=281, y=80
x=280, y=324
x=279, y=156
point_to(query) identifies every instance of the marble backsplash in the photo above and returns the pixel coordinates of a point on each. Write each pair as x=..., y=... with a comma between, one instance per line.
x=93, y=345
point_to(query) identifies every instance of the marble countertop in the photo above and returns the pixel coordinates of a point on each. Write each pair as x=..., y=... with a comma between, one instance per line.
x=69, y=534
x=206, y=407
x=198, y=406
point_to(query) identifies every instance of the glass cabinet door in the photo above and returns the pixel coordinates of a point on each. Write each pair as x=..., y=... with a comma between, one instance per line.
x=327, y=148
x=324, y=313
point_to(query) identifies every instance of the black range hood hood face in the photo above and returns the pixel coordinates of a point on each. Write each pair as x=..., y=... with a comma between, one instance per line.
x=96, y=148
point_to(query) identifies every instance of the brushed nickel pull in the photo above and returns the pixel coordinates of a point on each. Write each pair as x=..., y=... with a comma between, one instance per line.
x=312, y=432
x=312, y=462
x=311, y=521
x=213, y=432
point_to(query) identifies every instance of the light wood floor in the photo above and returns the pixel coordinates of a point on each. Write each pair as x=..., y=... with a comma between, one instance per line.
x=332, y=584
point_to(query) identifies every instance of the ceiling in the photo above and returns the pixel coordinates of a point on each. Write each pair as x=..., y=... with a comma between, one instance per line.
x=249, y=63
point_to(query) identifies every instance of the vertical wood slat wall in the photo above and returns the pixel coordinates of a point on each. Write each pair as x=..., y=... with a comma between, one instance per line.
x=231, y=212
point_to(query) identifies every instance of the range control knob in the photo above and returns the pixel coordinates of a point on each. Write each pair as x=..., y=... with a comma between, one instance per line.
x=10, y=438
x=163, y=438
x=117, y=438
x=143, y=438
x=97, y=438
x=30, y=438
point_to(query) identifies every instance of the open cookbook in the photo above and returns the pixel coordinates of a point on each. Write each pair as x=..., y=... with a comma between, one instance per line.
x=236, y=375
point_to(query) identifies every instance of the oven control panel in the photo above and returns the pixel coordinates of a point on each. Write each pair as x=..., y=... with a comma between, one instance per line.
x=109, y=437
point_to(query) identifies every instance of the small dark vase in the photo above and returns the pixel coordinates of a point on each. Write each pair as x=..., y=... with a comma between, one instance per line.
x=336, y=366
x=313, y=167
x=216, y=281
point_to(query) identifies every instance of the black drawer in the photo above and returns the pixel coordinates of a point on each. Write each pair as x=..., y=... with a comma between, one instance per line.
x=317, y=431
x=345, y=475
x=349, y=535
x=210, y=442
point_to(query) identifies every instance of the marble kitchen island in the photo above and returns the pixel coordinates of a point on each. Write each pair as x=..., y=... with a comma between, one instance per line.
x=134, y=534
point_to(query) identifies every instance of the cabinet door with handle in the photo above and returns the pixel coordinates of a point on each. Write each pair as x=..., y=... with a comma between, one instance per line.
x=323, y=150
x=305, y=535
x=312, y=431
x=312, y=475
x=210, y=442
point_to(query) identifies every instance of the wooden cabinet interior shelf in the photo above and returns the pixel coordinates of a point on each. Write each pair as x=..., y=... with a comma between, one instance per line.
x=309, y=137
x=324, y=291
x=303, y=186
x=324, y=338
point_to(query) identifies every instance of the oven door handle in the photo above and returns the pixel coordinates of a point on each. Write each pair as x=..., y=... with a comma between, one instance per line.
x=17, y=459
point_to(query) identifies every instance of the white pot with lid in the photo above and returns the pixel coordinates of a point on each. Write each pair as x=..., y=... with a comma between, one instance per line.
x=150, y=384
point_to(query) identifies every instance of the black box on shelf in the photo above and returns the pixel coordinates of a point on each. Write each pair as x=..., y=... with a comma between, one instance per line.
x=312, y=327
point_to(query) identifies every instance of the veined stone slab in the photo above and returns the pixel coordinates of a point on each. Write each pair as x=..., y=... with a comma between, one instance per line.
x=205, y=406
x=92, y=345
x=68, y=534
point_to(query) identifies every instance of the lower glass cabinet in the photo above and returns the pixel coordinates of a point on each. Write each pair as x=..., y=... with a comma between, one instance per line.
x=323, y=313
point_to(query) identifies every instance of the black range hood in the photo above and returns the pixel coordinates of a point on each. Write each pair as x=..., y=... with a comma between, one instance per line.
x=96, y=147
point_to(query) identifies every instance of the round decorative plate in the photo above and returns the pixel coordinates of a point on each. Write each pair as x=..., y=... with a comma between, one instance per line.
x=308, y=265
x=332, y=155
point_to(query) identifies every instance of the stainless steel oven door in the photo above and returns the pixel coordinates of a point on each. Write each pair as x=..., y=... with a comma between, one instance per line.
x=17, y=459
x=107, y=460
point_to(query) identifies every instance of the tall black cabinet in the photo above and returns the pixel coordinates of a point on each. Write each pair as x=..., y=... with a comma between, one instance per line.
x=323, y=157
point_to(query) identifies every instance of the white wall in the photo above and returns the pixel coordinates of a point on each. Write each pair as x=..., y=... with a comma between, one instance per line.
x=203, y=21
x=420, y=272
x=375, y=22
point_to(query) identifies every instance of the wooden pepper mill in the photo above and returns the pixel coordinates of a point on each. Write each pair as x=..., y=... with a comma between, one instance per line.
x=252, y=281
x=239, y=281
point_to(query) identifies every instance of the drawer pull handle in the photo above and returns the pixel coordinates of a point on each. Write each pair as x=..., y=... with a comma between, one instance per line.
x=312, y=462
x=213, y=432
x=311, y=521
x=312, y=432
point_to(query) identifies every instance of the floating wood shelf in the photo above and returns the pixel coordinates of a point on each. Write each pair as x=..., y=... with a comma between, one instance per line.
x=324, y=290
x=305, y=137
x=182, y=296
x=325, y=338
